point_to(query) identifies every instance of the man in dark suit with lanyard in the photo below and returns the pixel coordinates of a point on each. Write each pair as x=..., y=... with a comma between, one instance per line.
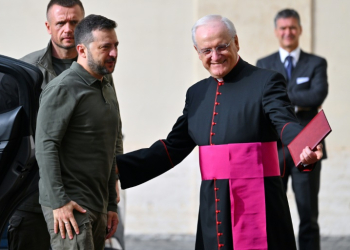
x=307, y=88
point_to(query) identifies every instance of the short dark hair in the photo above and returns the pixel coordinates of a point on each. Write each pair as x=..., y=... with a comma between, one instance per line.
x=84, y=29
x=64, y=3
x=287, y=13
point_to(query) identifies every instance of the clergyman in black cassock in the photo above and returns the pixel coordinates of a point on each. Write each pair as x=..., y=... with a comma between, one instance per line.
x=242, y=110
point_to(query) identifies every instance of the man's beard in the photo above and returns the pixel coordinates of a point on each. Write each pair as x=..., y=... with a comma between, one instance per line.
x=96, y=66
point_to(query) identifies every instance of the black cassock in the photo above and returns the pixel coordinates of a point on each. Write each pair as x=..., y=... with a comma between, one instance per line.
x=250, y=106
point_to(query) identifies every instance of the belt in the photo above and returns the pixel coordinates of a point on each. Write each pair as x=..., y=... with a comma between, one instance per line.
x=245, y=165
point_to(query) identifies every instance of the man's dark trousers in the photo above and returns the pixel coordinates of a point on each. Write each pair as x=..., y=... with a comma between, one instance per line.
x=307, y=89
x=306, y=187
x=21, y=235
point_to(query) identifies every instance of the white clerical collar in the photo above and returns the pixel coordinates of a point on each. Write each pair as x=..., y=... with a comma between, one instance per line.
x=295, y=54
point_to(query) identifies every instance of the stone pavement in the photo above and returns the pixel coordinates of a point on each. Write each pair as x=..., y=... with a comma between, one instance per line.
x=186, y=242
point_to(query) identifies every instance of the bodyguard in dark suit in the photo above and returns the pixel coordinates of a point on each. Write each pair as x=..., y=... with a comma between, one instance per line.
x=307, y=88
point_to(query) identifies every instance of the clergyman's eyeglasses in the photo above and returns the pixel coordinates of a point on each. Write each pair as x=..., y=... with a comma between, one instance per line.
x=219, y=49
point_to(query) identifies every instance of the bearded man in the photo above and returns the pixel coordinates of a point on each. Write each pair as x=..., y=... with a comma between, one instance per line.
x=78, y=130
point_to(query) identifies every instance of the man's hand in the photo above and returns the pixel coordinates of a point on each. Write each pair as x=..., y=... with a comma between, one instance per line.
x=308, y=156
x=64, y=219
x=112, y=223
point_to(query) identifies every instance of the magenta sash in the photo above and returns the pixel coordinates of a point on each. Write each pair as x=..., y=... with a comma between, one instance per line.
x=245, y=165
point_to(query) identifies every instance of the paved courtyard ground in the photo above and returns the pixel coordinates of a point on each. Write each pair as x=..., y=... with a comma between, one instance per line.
x=186, y=242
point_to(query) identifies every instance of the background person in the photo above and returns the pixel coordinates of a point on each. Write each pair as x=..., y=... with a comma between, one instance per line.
x=307, y=87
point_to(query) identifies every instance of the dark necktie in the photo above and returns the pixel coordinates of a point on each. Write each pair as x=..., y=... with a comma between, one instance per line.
x=289, y=67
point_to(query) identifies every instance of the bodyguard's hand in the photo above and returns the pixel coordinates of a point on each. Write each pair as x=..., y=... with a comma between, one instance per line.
x=64, y=219
x=310, y=157
x=112, y=223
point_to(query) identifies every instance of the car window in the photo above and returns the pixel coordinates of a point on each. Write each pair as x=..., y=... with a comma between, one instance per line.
x=8, y=93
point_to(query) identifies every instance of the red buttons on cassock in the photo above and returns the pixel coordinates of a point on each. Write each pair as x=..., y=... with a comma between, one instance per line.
x=220, y=83
x=221, y=245
x=217, y=200
x=212, y=144
x=216, y=216
x=216, y=103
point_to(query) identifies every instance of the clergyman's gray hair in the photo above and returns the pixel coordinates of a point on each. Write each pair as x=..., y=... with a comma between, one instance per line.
x=287, y=13
x=206, y=19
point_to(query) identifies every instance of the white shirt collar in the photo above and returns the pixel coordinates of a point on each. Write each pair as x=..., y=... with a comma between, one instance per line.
x=295, y=54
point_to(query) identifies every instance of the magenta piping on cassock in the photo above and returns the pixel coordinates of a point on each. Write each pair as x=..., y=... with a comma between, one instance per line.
x=245, y=165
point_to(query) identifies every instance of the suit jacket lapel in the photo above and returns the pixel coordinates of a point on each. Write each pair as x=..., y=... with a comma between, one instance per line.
x=278, y=65
x=300, y=67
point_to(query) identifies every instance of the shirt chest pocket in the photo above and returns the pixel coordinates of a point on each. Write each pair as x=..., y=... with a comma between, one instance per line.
x=110, y=97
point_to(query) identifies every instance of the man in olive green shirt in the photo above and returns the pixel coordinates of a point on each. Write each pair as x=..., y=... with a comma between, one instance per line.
x=77, y=135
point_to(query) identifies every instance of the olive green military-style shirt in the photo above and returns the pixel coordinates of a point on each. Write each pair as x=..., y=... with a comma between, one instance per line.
x=78, y=135
x=43, y=60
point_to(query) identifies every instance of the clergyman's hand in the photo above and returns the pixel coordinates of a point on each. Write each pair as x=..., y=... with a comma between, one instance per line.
x=64, y=219
x=112, y=223
x=308, y=156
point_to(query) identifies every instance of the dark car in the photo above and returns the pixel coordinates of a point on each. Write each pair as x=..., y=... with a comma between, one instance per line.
x=20, y=85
